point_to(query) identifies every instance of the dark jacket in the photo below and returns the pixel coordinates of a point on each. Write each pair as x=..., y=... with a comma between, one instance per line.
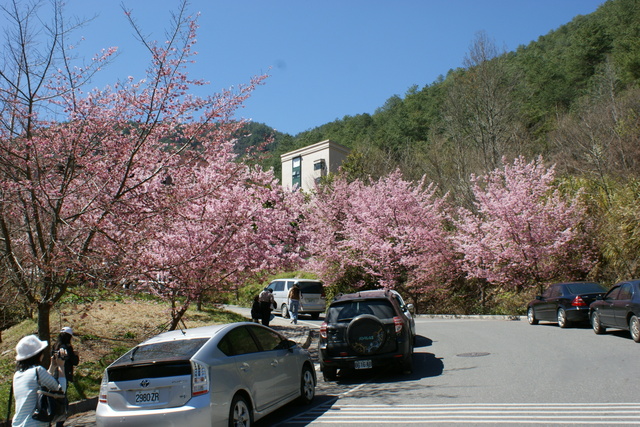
x=70, y=360
x=294, y=293
x=255, y=310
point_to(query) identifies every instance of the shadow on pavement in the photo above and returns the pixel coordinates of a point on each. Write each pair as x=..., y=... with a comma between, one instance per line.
x=424, y=365
x=421, y=341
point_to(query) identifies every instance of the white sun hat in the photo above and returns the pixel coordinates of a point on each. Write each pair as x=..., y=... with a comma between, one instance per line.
x=67, y=330
x=29, y=346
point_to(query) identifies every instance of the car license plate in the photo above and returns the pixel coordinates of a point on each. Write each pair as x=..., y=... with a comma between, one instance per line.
x=363, y=364
x=147, y=396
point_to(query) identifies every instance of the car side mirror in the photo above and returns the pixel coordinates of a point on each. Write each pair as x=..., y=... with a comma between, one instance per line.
x=599, y=297
x=539, y=298
x=411, y=308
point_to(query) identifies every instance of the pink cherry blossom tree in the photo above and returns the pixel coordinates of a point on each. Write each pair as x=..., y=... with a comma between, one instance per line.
x=389, y=233
x=226, y=227
x=97, y=185
x=524, y=231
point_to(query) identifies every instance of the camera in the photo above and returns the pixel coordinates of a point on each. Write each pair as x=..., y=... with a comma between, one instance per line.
x=59, y=356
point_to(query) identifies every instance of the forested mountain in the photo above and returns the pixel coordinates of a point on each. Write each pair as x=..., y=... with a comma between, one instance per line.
x=571, y=96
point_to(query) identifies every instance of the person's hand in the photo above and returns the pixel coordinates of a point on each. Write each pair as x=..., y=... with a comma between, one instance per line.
x=59, y=360
x=56, y=364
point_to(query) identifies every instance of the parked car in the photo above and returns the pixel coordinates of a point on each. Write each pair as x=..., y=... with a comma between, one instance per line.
x=229, y=374
x=365, y=330
x=313, y=300
x=619, y=309
x=565, y=303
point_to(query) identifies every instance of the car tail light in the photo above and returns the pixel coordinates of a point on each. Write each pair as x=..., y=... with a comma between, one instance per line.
x=323, y=330
x=323, y=293
x=102, y=396
x=398, y=323
x=199, y=379
x=578, y=302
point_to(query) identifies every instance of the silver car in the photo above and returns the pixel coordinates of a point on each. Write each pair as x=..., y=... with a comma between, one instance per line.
x=229, y=374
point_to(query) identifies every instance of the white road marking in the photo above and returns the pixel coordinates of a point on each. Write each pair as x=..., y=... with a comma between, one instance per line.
x=525, y=413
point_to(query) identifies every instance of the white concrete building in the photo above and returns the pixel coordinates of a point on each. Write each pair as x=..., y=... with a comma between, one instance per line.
x=303, y=167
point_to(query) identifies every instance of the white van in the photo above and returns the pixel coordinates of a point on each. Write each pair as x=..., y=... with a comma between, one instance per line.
x=313, y=300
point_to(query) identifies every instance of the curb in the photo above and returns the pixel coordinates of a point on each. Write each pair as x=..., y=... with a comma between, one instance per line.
x=472, y=316
x=308, y=341
x=82, y=406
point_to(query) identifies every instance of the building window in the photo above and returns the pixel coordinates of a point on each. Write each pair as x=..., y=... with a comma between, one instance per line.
x=296, y=172
x=319, y=170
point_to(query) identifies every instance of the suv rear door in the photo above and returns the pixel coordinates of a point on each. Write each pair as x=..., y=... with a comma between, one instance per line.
x=345, y=334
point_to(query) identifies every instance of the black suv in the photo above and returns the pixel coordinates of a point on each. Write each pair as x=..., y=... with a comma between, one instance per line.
x=364, y=330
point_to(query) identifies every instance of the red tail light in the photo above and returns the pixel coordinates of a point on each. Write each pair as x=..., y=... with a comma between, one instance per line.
x=399, y=324
x=578, y=302
x=323, y=330
x=199, y=379
x=102, y=397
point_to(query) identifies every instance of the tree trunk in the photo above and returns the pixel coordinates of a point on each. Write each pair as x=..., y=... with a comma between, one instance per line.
x=44, y=333
x=176, y=316
x=44, y=309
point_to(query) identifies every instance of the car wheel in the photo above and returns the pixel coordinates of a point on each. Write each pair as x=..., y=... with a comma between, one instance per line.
x=366, y=334
x=596, y=324
x=329, y=374
x=531, y=316
x=240, y=414
x=562, y=318
x=634, y=328
x=284, y=311
x=307, y=386
x=315, y=316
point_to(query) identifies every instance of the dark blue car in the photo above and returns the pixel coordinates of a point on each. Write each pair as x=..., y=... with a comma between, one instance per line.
x=564, y=303
x=619, y=308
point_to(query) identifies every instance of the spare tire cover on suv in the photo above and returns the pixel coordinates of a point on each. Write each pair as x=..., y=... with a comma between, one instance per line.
x=366, y=334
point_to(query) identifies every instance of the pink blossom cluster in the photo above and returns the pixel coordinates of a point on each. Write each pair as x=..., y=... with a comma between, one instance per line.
x=391, y=230
x=523, y=230
x=395, y=234
x=135, y=180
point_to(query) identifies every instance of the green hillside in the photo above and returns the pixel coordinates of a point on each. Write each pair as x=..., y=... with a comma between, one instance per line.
x=504, y=104
x=572, y=96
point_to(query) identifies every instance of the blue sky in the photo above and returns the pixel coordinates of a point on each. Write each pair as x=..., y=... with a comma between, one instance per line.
x=326, y=58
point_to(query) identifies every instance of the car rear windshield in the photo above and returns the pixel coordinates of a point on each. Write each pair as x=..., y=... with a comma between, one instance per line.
x=585, y=288
x=347, y=310
x=162, y=351
x=310, y=287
